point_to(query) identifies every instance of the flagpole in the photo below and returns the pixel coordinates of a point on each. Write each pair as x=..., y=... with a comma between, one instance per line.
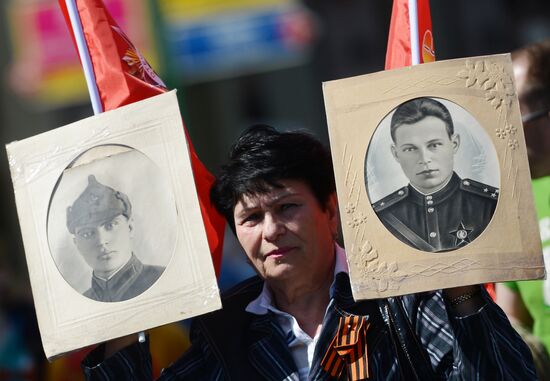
x=413, y=22
x=86, y=60
x=84, y=56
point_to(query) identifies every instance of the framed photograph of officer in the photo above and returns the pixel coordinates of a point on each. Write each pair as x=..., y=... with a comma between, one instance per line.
x=432, y=177
x=111, y=225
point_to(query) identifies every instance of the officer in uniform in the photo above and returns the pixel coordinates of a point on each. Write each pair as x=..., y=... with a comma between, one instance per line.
x=437, y=210
x=100, y=222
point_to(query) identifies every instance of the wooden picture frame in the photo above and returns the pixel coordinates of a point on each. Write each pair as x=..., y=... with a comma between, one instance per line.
x=423, y=205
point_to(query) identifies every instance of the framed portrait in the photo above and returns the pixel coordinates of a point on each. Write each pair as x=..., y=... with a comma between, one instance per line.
x=432, y=177
x=111, y=225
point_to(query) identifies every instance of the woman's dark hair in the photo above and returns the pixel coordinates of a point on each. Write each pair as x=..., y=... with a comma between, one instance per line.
x=536, y=92
x=417, y=109
x=262, y=157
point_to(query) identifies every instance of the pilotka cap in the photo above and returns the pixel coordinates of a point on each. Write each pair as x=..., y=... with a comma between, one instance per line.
x=97, y=204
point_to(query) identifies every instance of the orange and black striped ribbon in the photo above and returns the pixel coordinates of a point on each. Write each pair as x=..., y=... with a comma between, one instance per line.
x=348, y=349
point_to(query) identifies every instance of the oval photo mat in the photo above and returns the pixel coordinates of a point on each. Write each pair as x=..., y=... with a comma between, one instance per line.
x=476, y=159
x=131, y=172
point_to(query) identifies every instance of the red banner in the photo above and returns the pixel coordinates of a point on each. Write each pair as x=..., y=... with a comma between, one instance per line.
x=404, y=26
x=425, y=35
x=123, y=76
x=401, y=48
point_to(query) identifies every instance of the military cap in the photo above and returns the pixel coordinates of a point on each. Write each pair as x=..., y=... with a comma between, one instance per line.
x=97, y=204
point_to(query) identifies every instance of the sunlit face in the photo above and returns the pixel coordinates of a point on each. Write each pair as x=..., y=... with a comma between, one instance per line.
x=286, y=234
x=105, y=247
x=426, y=153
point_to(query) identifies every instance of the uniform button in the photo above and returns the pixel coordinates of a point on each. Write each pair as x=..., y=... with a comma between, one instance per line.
x=433, y=234
x=466, y=182
x=401, y=193
x=428, y=197
x=382, y=203
x=429, y=202
x=431, y=210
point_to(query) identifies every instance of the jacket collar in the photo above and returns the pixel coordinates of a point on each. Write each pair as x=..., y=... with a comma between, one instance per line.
x=436, y=197
x=114, y=288
x=267, y=348
x=268, y=351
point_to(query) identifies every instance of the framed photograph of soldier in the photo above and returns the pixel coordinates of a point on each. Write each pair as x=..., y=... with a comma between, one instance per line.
x=111, y=225
x=432, y=177
x=432, y=174
x=103, y=224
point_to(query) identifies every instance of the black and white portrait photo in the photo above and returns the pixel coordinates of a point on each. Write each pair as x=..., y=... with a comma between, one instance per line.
x=111, y=225
x=111, y=221
x=432, y=178
x=432, y=175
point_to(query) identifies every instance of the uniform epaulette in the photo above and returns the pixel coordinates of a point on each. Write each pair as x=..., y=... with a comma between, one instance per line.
x=478, y=188
x=391, y=199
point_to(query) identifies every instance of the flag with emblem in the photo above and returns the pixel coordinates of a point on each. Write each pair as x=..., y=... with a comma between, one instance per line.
x=117, y=75
x=410, y=40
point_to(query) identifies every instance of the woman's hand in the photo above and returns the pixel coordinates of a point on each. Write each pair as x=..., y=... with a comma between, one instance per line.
x=115, y=345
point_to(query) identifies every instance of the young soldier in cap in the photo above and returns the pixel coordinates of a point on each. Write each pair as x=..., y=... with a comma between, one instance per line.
x=100, y=221
x=437, y=211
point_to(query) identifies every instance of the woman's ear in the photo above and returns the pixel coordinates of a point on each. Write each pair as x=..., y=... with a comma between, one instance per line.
x=331, y=208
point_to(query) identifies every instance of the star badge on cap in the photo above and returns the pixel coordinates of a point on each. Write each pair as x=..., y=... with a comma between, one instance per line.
x=461, y=234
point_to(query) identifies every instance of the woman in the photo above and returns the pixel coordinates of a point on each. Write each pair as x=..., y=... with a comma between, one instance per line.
x=297, y=319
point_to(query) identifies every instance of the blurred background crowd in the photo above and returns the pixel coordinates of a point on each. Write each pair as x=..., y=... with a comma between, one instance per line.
x=234, y=63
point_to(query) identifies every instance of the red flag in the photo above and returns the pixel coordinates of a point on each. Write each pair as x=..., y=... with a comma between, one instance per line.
x=410, y=40
x=122, y=77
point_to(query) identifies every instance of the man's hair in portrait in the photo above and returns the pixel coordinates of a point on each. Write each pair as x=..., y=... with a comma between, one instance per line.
x=262, y=157
x=417, y=109
x=537, y=84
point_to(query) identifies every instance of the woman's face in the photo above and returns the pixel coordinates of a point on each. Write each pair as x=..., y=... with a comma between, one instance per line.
x=286, y=234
